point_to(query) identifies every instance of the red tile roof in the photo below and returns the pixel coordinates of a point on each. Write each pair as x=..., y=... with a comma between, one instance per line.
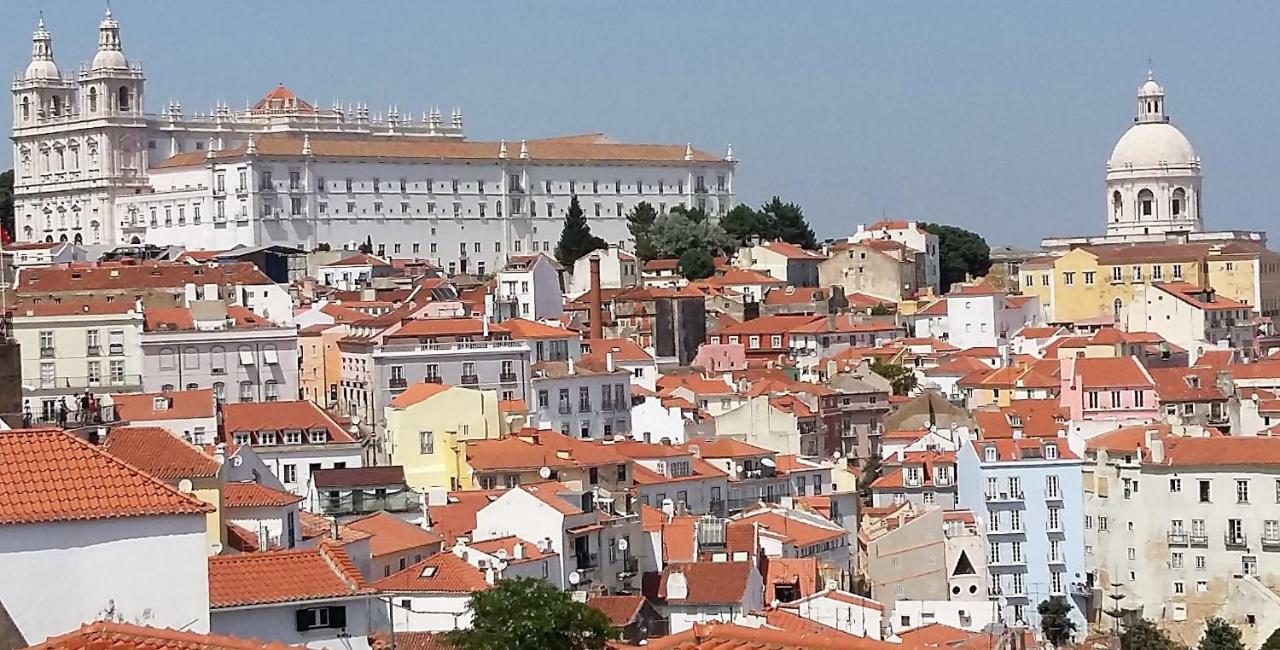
x=621, y=610
x=798, y=570
x=721, y=447
x=284, y=576
x=457, y=517
x=793, y=252
x=1195, y=384
x=280, y=416
x=177, y=405
x=108, y=276
x=1025, y=448
x=1037, y=418
x=440, y=573
x=727, y=636
x=1112, y=372
x=51, y=475
x=159, y=453
x=624, y=351
x=507, y=544
x=109, y=635
x=417, y=393
x=533, y=449
x=359, y=259
x=255, y=495
x=799, y=533
x=520, y=328
x=89, y=307
x=709, y=583
x=1229, y=451
x=390, y=534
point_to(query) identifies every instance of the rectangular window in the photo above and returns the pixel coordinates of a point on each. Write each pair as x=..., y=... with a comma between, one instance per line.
x=1088, y=277
x=1068, y=278
x=1242, y=490
x=1204, y=491
x=427, y=443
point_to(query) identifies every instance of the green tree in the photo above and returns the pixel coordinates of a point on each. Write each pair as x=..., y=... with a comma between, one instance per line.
x=961, y=253
x=881, y=309
x=1273, y=641
x=576, y=239
x=367, y=246
x=696, y=263
x=676, y=232
x=6, y=203
x=743, y=224
x=871, y=470
x=786, y=221
x=640, y=223
x=902, y=379
x=1220, y=635
x=530, y=614
x=1055, y=620
x=1144, y=635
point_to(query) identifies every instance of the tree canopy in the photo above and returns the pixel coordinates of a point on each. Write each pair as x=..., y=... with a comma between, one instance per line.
x=743, y=224
x=961, y=253
x=902, y=379
x=678, y=231
x=786, y=222
x=530, y=614
x=1273, y=641
x=6, y=202
x=576, y=239
x=696, y=263
x=1144, y=635
x=1220, y=635
x=640, y=224
x=1055, y=620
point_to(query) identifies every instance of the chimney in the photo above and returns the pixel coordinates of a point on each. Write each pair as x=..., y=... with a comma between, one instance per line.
x=220, y=453
x=597, y=304
x=517, y=551
x=571, y=365
x=608, y=361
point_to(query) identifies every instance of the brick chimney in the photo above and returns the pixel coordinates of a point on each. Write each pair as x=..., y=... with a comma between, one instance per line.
x=597, y=303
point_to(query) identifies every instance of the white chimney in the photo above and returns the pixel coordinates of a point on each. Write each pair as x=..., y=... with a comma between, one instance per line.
x=517, y=551
x=571, y=366
x=220, y=453
x=608, y=361
x=1157, y=450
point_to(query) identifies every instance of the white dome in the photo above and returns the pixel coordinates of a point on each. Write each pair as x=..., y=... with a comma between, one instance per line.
x=1150, y=88
x=1151, y=144
x=39, y=69
x=109, y=60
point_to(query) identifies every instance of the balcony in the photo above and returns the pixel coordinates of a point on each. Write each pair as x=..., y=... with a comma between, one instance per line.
x=469, y=380
x=1235, y=540
x=716, y=507
x=630, y=567
x=994, y=592
x=1004, y=497
x=1201, y=541
x=1053, y=496
x=115, y=349
x=1271, y=540
x=507, y=378
x=65, y=385
x=1178, y=539
x=565, y=409
x=75, y=417
x=433, y=380
x=397, y=382
x=1080, y=589
x=363, y=503
x=47, y=353
x=93, y=350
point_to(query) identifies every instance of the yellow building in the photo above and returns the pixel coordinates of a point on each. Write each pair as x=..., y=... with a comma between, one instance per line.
x=428, y=426
x=1100, y=282
x=320, y=363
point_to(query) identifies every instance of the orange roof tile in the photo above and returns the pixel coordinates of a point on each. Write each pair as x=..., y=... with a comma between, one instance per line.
x=1195, y=384
x=517, y=406
x=284, y=576
x=721, y=447
x=254, y=495
x=177, y=405
x=417, y=393
x=51, y=475
x=280, y=416
x=1037, y=418
x=621, y=610
x=798, y=570
x=1229, y=451
x=793, y=252
x=533, y=449
x=1112, y=372
x=800, y=533
x=159, y=453
x=390, y=534
x=709, y=583
x=359, y=259
x=520, y=328
x=107, y=276
x=89, y=307
x=728, y=636
x=440, y=573
x=499, y=544
x=109, y=635
x=457, y=517
x=427, y=327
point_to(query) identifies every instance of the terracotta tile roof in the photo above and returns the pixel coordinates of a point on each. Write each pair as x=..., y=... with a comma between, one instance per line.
x=440, y=573
x=1124, y=253
x=728, y=636
x=1195, y=384
x=793, y=405
x=1037, y=418
x=159, y=453
x=284, y=576
x=351, y=477
x=777, y=324
x=1113, y=372
x=89, y=307
x=895, y=224
x=343, y=314
x=507, y=544
x=699, y=470
x=792, y=252
x=844, y=597
x=281, y=98
x=169, y=318
x=799, y=533
x=520, y=328
x=661, y=265
x=843, y=323
x=533, y=449
x=177, y=405
x=1265, y=369
x=254, y=495
x=598, y=149
x=50, y=475
x=926, y=459
x=624, y=350
x=417, y=393
x=1216, y=358
x=934, y=635
x=107, y=276
x=280, y=416
x=1128, y=438
x=709, y=583
x=359, y=259
x=390, y=534
x=621, y=610
x=417, y=641
x=316, y=526
x=1229, y=451
x=517, y=406
x=457, y=517
x=107, y=635
x=1031, y=332
x=696, y=383
x=936, y=308
x=963, y=366
x=721, y=447
x=242, y=539
x=1024, y=449
x=734, y=277
x=791, y=295
x=802, y=571
x=427, y=327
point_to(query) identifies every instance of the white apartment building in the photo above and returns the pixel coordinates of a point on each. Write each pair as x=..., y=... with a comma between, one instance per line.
x=93, y=167
x=980, y=316
x=528, y=286
x=911, y=235
x=618, y=270
x=74, y=346
x=1177, y=522
x=585, y=402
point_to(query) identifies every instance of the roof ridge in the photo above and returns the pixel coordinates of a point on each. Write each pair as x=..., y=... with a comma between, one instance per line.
x=205, y=507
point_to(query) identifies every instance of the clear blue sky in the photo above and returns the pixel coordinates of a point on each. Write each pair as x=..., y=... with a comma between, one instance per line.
x=996, y=116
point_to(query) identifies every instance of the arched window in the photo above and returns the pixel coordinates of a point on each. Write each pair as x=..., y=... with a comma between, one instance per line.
x=135, y=240
x=1117, y=205
x=1179, y=202
x=62, y=237
x=123, y=101
x=26, y=108
x=93, y=100
x=1116, y=307
x=55, y=105
x=168, y=359
x=1146, y=203
x=27, y=233
x=78, y=239
x=219, y=391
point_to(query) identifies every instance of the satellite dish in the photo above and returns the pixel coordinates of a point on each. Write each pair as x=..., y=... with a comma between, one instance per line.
x=545, y=472
x=184, y=486
x=236, y=461
x=355, y=419
x=216, y=547
x=623, y=544
x=739, y=467
x=768, y=462
x=836, y=455
x=574, y=578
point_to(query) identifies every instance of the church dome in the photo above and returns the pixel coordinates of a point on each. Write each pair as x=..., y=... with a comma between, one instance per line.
x=110, y=60
x=42, y=69
x=1151, y=144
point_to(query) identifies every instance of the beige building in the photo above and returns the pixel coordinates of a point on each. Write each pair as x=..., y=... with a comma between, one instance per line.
x=877, y=267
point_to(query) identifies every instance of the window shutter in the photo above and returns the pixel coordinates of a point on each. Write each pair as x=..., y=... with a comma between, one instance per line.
x=303, y=618
x=338, y=616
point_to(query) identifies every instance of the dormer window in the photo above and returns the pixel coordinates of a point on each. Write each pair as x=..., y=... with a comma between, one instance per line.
x=1193, y=381
x=989, y=453
x=318, y=436
x=266, y=437
x=160, y=404
x=292, y=437
x=913, y=475
x=240, y=437
x=1015, y=420
x=942, y=475
x=1051, y=451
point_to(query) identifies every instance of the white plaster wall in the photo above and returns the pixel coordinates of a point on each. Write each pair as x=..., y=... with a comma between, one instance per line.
x=430, y=612
x=847, y=617
x=973, y=616
x=279, y=624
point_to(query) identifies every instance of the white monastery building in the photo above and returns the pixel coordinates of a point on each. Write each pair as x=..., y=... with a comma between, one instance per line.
x=93, y=167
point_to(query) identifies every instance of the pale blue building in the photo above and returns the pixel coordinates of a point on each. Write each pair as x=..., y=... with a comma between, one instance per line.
x=1028, y=495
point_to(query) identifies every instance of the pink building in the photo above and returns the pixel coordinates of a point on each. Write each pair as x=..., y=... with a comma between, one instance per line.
x=1117, y=388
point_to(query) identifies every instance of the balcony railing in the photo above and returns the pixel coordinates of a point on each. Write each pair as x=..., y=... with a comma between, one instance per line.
x=350, y=503
x=397, y=382
x=1198, y=540
x=1080, y=589
x=1235, y=539
x=47, y=353
x=469, y=380
x=1178, y=538
x=630, y=566
x=433, y=380
x=565, y=409
x=73, y=417
x=1270, y=540
x=115, y=349
x=93, y=350
x=42, y=387
x=1004, y=496
x=507, y=378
